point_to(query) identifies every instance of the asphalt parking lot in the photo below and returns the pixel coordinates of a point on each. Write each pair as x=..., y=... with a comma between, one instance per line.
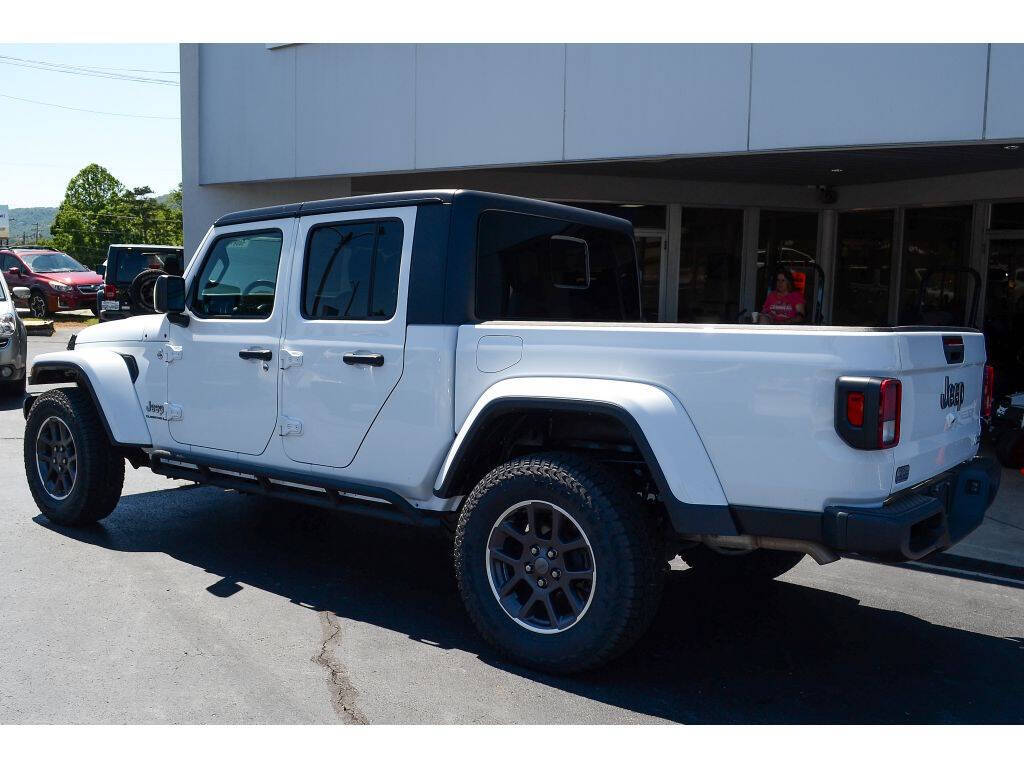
x=196, y=605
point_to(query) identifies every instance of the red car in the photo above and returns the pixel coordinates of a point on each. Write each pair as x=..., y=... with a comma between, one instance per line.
x=57, y=282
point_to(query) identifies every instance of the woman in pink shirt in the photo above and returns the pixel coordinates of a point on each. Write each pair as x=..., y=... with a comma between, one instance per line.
x=784, y=305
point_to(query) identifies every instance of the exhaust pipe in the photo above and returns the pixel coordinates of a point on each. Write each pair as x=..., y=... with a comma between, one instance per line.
x=822, y=555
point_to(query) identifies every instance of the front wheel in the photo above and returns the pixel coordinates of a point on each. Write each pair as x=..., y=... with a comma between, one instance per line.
x=556, y=565
x=73, y=473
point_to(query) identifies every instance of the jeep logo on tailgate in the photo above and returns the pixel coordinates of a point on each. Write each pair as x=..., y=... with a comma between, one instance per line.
x=952, y=395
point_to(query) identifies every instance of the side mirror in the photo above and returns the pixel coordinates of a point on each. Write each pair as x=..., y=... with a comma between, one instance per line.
x=169, y=294
x=14, y=271
x=21, y=292
x=100, y=270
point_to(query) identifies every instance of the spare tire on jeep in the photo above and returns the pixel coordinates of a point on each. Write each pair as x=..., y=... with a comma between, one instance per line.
x=141, y=291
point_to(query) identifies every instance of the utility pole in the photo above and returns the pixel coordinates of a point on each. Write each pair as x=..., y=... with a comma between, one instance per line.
x=37, y=233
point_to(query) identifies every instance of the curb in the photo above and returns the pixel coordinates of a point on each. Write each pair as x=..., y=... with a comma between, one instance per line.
x=39, y=328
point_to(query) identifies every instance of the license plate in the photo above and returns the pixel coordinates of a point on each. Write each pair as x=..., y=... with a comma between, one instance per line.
x=110, y=305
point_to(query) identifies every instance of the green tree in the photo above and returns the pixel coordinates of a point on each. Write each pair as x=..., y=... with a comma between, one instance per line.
x=98, y=210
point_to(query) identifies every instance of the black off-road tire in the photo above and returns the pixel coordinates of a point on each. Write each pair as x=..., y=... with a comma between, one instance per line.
x=100, y=468
x=629, y=573
x=141, y=291
x=1010, y=449
x=743, y=569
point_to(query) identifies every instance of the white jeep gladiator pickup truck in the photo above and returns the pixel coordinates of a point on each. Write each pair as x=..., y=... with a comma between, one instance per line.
x=478, y=362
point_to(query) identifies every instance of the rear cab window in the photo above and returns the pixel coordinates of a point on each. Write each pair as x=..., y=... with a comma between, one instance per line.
x=532, y=267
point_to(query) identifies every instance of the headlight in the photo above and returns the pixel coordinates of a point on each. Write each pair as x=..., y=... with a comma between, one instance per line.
x=62, y=287
x=8, y=325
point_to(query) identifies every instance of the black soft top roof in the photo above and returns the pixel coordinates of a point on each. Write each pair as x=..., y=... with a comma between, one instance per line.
x=469, y=200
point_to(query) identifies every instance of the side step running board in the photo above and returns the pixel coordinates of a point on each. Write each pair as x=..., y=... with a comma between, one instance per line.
x=296, y=488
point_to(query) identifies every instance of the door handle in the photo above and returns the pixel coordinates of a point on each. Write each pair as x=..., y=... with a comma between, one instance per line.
x=363, y=358
x=255, y=354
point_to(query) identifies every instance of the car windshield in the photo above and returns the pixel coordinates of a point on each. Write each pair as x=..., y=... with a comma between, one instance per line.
x=51, y=261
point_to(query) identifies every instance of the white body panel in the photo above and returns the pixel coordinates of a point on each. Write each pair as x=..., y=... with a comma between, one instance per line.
x=229, y=403
x=113, y=386
x=336, y=403
x=761, y=399
x=660, y=416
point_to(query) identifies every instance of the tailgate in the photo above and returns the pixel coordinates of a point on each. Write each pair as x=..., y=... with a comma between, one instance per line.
x=942, y=374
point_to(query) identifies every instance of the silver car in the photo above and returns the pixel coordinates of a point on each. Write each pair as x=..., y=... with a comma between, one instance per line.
x=13, y=345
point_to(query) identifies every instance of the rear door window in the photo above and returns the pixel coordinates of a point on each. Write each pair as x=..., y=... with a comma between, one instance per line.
x=351, y=270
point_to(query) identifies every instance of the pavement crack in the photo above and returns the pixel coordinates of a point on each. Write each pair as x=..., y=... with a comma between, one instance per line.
x=343, y=693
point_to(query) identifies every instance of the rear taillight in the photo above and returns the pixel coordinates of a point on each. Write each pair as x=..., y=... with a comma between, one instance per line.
x=891, y=393
x=855, y=408
x=988, y=389
x=868, y=411
x=110, y=292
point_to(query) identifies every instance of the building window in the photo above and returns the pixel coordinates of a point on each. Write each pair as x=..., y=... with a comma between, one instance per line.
x=789, y=240
x=936, y=252
x=351, y=271
x=538, y=268
x=1007, y=216
x=709, y=265
x=863, y=268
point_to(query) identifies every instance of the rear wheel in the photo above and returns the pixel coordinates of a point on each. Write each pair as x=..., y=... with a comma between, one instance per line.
x=1010, y=449
x=73, y=473
x=555, y=563
x=740, y=567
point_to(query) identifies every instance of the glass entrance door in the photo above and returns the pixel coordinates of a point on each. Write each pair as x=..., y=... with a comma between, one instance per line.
x=1004, y=312
x=651, y=251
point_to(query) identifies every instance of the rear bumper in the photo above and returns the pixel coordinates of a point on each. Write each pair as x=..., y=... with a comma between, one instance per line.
x=927, y=518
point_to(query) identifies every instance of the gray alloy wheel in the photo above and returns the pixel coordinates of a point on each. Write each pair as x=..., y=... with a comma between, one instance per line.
x=56, y=458
x=37, y=305
x=541, y=566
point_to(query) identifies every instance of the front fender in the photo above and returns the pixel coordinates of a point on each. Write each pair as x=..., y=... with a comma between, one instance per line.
x=659, y=424
x=108, y=377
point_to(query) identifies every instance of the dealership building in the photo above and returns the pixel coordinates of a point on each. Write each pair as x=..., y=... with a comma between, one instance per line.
x=889, y=179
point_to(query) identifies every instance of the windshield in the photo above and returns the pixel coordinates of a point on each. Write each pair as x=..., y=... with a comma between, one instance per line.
x=52, y=261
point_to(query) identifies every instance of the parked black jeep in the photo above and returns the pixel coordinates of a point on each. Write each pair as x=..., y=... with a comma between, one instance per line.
x=129, y=274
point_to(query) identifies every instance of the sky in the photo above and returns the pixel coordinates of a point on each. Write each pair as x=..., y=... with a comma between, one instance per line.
x=42, y=147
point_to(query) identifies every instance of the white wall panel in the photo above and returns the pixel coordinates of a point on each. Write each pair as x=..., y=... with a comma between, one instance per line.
x=354, y=108
x=1006, y=93
x=629, y=100
x=488, y=104
x=246, y=112
x=840, y=95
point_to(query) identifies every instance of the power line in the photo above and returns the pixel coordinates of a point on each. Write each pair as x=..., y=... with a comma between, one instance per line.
x=91, y=111
x=94, y=66
x=70, y=69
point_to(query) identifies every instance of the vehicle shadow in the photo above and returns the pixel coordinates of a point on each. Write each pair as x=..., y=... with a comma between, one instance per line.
x=9, y=403
x=791, y=654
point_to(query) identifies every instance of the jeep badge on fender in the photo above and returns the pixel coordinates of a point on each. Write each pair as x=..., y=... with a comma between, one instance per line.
x=952, y=395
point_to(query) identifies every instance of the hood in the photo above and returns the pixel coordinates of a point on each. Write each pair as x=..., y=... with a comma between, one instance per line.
x=72, y=278
x=138, y=328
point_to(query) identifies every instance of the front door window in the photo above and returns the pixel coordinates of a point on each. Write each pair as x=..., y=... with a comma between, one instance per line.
x=1004, y=313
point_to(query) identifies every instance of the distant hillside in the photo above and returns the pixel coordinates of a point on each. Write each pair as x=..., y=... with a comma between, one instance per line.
x=24, y=221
